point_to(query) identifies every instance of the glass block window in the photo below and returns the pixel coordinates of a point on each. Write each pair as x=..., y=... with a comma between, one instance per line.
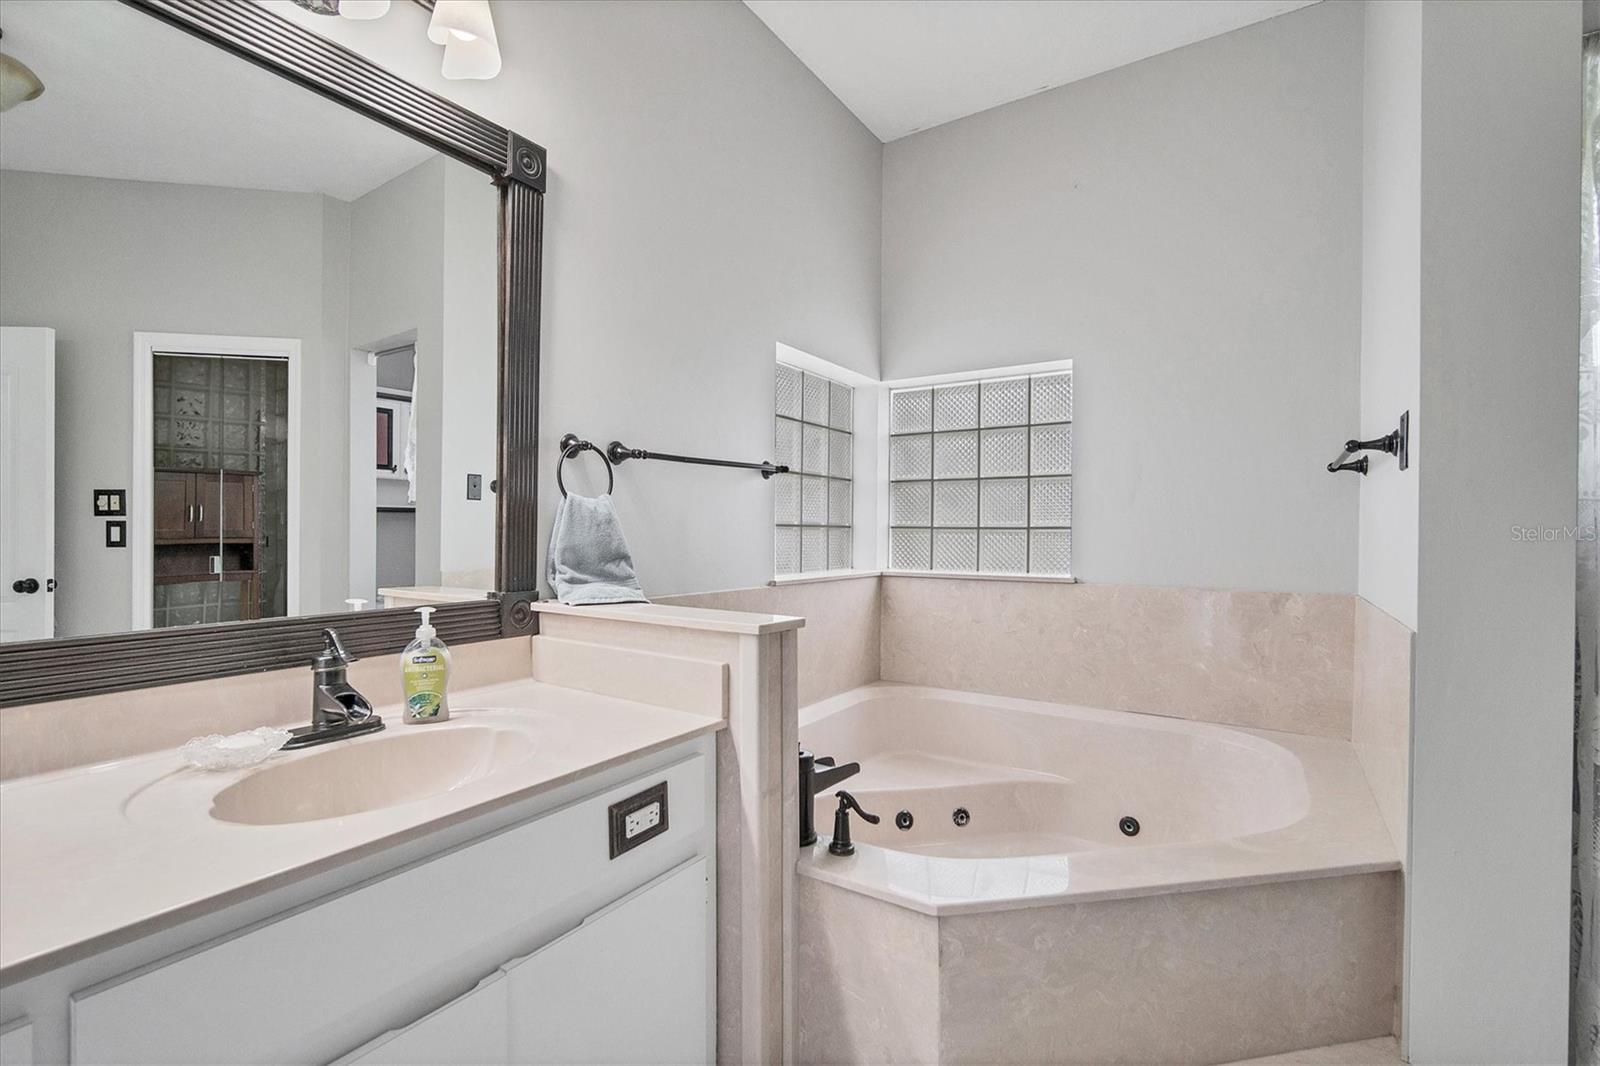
x=812, y=503
x=980, y=476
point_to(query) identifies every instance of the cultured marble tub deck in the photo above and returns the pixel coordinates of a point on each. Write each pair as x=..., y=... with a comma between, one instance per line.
x=1047, y=786
x=1256, y=911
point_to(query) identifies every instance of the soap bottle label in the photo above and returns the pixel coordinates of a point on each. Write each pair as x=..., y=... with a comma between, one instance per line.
x=424, y=684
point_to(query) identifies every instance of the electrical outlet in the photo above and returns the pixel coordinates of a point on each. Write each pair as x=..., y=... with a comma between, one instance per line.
x=638, y=818
x=638, y=821
x=474, y=486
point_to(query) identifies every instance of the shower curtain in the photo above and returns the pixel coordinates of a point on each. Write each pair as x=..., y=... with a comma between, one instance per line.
x=1585, y=1014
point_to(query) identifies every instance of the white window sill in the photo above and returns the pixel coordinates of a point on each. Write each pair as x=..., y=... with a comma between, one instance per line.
x=815, y=576
x=967, y=575
x=960, y=575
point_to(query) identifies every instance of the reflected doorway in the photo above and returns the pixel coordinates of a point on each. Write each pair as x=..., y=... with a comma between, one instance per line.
x=217, y=480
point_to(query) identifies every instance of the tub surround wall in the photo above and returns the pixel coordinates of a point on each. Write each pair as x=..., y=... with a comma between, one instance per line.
x=1060, y=984
x=1380, y=722
x=839, y=644
x=1259, y=659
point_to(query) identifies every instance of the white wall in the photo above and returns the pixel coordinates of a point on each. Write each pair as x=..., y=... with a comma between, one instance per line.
x=397, y=295
x=708, y=198
x=1391, y=288
x=469, y=441
x=1489, y=872
x=105, y=258
x=424, y=269
x=1187, y=229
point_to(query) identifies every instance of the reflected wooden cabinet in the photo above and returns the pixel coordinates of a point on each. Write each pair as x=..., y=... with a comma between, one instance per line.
x=174, y=505
x=207, y=530
x=205, y=505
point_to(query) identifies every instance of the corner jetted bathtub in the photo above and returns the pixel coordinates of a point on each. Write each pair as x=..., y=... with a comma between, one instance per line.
x=987, y=801
x=1061, y=884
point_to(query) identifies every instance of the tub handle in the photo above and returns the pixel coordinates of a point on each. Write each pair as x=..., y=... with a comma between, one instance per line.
x=841, y=843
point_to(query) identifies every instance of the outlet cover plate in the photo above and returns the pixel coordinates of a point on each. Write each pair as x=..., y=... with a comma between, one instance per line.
x=633, y=813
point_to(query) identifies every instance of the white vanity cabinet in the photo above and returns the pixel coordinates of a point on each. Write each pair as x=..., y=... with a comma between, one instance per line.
x=626, y=986
x=532, y=942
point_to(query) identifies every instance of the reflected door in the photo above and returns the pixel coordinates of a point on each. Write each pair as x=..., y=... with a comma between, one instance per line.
x=220, y=482
x=27, y=483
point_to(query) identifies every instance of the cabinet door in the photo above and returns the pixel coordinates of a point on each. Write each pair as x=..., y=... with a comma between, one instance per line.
x=208, y=504
x=470, y=1031
x=238, y=512
x=225, y=505
x=631, y=984
x=174, y=505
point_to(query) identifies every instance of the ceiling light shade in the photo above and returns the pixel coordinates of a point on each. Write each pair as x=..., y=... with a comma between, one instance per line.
x=460, y=20
x=362, y=10
x=17, y=83
x=478, y=58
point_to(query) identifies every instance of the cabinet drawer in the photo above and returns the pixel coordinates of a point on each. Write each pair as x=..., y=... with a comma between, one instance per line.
x=632, y=984
x=309, y=986
x=470, y=1031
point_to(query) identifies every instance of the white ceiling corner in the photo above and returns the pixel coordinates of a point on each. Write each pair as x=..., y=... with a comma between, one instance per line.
x=907, y=65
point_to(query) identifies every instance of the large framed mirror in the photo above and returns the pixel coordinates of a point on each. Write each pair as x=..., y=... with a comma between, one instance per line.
x=269, y=320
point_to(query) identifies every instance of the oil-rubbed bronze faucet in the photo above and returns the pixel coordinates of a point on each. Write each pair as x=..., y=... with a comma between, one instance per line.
x=337, y=709
x=813, y=781
x=841, y=844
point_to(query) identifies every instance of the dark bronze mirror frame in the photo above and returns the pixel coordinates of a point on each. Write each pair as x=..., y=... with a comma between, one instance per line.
x=38, y=671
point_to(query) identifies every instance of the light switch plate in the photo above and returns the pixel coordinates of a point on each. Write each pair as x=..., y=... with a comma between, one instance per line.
x=640, y=817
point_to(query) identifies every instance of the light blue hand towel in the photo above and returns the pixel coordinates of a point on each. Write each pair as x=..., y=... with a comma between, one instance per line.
x=589, y=558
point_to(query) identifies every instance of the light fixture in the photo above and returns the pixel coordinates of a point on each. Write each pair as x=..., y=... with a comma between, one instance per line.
x=18, y=84
x=466, y=29
x=363, y=10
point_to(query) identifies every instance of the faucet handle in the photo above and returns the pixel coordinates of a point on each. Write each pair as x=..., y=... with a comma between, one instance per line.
x=333, y=651
x=841, y=843
x=847, y=801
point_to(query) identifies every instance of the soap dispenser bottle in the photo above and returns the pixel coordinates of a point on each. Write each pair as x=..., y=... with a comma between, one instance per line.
x=425, y=674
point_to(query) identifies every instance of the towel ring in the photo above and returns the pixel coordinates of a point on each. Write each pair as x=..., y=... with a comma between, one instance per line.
x=571, y=446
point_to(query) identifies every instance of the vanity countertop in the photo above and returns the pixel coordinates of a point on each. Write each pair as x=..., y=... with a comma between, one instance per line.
x=97, y=855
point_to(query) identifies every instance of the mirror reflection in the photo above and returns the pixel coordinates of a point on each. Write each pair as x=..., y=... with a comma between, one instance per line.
x=227, y=307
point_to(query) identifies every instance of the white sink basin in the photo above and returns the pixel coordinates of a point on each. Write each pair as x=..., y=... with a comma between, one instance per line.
x=368, y=774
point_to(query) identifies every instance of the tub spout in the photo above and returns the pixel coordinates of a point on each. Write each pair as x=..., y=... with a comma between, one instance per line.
x=813, y=781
